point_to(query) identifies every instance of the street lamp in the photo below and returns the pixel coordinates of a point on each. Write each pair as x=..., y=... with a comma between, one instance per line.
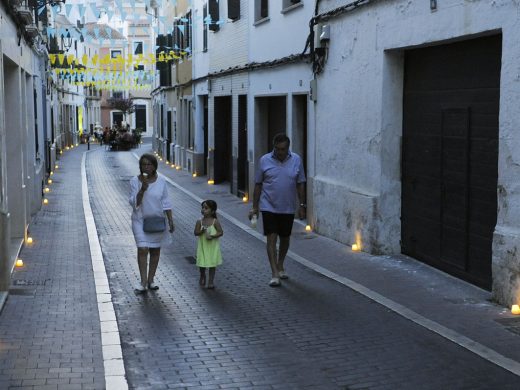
x=66, y=40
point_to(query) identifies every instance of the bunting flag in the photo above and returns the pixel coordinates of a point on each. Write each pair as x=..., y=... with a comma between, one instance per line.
x=68, y=8
x=94, y=10
x=81, y=9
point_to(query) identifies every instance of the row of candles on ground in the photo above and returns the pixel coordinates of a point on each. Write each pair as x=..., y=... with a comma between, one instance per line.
x=515, y=309
x=46, y=190
x=51, y=173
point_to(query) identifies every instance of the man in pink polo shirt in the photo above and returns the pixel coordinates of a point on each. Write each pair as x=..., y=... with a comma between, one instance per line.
x=279, y=179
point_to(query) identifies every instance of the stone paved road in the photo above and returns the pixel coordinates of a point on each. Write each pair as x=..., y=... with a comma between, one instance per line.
x=310, y=333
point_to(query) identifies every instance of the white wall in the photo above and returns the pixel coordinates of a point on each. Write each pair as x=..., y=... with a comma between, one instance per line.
x=359, y=120
x=228, y=47
x=282, y=34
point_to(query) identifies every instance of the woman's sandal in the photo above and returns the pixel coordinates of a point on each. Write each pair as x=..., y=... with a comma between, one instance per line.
x=202, y=280
x=210, y=287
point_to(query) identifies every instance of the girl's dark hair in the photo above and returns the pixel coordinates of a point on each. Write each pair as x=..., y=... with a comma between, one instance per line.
x=151, y=158
x=212, y=205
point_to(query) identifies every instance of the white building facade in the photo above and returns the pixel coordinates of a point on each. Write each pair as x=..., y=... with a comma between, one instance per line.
x=279, y=99
x=416, y=117
x=23, y=131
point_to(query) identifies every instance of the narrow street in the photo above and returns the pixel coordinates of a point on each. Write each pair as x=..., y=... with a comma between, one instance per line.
x=313, y=332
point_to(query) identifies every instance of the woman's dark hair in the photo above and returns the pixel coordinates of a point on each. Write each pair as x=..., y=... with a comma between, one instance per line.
x=281, y=137
x=212, y=205
x=151, y=158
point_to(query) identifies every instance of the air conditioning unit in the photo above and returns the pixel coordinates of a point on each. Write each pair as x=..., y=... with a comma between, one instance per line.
x=24, y=13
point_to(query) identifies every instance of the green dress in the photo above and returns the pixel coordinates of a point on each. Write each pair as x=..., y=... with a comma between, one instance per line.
x=208, y=251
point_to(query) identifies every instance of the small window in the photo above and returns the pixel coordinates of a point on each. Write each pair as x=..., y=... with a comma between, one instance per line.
x=261, y=9
x=233, y=8
x=138, y=47
x=205, y=28
x=289, y=3
x=115, y=53
x=214, y=15
x=187, y=33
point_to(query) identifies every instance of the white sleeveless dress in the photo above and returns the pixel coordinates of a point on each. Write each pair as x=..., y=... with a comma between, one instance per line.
x=155, y=202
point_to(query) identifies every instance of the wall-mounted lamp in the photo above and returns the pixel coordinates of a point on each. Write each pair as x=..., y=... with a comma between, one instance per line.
x=66, y=40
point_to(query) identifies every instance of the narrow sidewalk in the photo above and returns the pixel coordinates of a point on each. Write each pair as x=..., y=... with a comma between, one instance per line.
x=50, y=327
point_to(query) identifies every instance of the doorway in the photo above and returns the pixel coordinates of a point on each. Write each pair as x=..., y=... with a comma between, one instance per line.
x=242, y=163
x=223, y=127
x=450, y=156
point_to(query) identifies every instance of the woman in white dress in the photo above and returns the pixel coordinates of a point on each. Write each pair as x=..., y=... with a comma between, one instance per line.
x=149, y=198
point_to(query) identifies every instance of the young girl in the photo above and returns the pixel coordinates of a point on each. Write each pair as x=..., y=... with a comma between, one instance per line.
x=208, y=230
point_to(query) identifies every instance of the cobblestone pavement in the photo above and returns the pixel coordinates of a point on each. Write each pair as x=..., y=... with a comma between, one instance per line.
x=311, y=333
x=49, y=326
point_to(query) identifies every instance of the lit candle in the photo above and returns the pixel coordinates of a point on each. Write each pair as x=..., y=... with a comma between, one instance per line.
x=47, y=189
x=52, y=173
x=178, y=167
x=56, y=166
x=308, y=228
x=49, y=181
x=194, y=175
x=46, y=201
x=29, y=240
x=19, y=262
x=355, y=247
x=515, y=309
x=244, y=199
x=211, y=181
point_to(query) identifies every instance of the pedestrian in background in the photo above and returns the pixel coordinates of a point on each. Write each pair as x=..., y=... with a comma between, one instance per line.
x=150, y=202
x=279, y=178
x=208, y=231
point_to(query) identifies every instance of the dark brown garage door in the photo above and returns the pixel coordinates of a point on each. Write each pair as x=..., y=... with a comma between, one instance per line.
x=450, y=154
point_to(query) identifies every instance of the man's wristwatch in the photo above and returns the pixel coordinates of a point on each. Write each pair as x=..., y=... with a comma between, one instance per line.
x=304, y=205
